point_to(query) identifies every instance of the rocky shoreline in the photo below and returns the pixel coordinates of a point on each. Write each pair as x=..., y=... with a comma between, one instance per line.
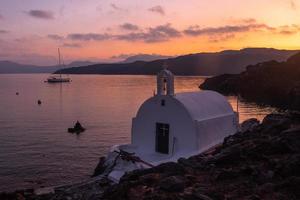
x=269, y=83
x=262, y=161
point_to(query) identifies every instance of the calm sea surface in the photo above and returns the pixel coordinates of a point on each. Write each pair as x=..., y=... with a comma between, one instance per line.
x=35, y=148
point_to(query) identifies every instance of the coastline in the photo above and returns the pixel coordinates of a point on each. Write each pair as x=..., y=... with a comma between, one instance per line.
x=269, y=83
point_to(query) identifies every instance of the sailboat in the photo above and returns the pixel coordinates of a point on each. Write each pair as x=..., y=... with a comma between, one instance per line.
x=58, y=79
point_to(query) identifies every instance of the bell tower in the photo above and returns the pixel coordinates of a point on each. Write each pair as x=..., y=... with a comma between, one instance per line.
x=165, y=82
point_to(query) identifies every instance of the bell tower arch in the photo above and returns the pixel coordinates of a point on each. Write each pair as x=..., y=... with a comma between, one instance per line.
x=165, y=82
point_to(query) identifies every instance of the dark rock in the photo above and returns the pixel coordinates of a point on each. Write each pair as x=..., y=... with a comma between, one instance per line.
x=201, y=196
x=192, y=163
x=228, y=155
x=265, y=188
x=279, y=121
x=249, y=125
x=291, y=167
x=295, y=115
x=172, y=184
x=100, y=167
x=133, y=175
x=291, y=186
x=253, y=197
x=225, y=174
x=150, y=179
x=168, y=169
x=271, y=147
x=292, y=138
x=224, y=83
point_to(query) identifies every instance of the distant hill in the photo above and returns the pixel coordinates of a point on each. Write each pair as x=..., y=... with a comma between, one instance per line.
x=206, y=64
x=144, y=57
x=271, y=83
x=79, y=63
x=12, y=67
x=7, y=67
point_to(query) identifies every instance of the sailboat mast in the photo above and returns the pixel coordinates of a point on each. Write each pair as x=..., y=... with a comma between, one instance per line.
x=59, y=62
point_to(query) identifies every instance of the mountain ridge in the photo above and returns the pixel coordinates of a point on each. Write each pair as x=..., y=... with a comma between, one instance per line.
x=144, y=57
x=8, y=67
x=205, y=64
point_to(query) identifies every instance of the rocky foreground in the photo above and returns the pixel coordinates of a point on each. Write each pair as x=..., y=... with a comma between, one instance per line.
x=270, y=83
x=262, y=161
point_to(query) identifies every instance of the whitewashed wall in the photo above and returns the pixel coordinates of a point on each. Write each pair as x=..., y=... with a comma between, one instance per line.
x=173, y=113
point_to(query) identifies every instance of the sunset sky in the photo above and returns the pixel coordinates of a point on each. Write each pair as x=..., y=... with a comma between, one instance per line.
x=110, y=30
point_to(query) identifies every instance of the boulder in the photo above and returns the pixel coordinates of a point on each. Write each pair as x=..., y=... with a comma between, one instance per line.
x=172, y=184
x=275, y=123
x=249, y=125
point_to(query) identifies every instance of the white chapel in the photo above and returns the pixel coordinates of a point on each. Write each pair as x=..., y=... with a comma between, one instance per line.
x=181, y=124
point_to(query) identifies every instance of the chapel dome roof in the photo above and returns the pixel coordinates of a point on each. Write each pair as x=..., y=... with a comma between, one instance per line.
x=204, y=104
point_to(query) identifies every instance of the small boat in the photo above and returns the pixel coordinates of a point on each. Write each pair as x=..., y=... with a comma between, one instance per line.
x=76, y=129
x=59, y=78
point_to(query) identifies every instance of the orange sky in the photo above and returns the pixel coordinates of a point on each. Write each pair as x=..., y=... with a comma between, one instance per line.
x=97, y=30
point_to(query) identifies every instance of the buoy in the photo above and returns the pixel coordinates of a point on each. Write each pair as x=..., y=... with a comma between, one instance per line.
x=39, y=102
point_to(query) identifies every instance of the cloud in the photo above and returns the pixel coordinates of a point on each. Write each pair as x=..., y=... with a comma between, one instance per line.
x=157, y=9
x=249, y=21
x=157, y=34
x=55, y=37
x=166, y=32
x=227, y=32
x=72, y=45
x=116, y=7
x=288, y=30
x=62, y=10
x=293, y=5
x=88, y=36
x=122, y=56
x=29, y=40
x=1, y=17
x=129, y=27
x=197, y=31
x=221, y=38
x=3, y=31
x=99, y=8
x=244, y=21
x=41, y=14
